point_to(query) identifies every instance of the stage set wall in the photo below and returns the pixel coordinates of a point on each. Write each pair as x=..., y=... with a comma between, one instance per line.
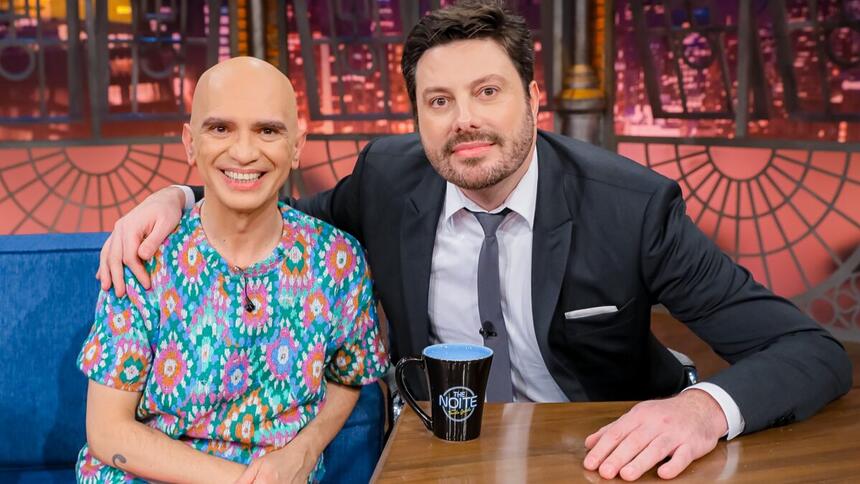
x=752, y=106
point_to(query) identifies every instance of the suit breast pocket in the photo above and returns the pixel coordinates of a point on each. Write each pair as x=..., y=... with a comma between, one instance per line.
x=598, y=323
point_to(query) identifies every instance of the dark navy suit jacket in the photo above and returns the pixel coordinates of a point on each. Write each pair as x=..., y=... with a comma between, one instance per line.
x=607, y=231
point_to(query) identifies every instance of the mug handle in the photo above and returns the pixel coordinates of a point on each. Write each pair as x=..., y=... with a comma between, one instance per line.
x=407, y=395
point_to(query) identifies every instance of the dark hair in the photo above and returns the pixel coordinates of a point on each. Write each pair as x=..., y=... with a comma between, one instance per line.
x=470, y=20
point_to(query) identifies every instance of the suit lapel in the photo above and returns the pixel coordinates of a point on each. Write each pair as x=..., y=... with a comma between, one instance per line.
x=551, y=241
x=417, y=238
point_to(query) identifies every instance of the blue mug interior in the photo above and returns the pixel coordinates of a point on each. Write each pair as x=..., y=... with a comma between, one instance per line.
x=457, y=352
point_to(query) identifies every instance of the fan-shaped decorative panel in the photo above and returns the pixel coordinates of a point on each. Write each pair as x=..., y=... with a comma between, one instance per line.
x=82, y=189
x=789, y=216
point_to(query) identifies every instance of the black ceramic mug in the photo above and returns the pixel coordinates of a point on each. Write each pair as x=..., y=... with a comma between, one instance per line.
x=457, y=376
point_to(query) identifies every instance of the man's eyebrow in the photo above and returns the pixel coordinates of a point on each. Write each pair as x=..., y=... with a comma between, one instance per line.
x=433, y=89
x=487, y=78
x=212, y=121
x=473, y=84
x=271, y=124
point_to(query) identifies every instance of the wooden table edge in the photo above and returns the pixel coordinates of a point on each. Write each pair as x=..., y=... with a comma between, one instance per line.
x=383, y=457
x=845, y=410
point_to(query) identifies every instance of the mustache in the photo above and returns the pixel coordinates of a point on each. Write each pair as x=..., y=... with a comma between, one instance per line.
x=469, y=137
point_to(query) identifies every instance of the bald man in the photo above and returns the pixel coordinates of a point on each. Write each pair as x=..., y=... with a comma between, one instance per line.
x=257, y=314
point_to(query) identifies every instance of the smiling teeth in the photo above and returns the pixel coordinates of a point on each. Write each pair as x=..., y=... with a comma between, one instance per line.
x=242, y=177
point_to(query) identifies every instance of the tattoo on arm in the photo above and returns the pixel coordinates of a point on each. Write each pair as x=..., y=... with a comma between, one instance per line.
x=118, y=458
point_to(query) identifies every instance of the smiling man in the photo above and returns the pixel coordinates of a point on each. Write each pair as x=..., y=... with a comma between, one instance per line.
x=482, y=229
x=241, y=360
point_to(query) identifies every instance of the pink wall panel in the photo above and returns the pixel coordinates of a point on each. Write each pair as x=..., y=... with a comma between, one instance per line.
x=87, y=188
x=791, y=217
x=82, y=188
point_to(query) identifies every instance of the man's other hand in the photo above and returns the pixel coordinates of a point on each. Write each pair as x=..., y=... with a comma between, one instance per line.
x=137, y=236
x=289, y=465
x=685, y=427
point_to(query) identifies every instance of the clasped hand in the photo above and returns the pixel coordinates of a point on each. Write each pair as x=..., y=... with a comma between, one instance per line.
x=289, y=465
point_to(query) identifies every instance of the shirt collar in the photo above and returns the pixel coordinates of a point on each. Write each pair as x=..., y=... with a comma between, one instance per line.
x=521, y=201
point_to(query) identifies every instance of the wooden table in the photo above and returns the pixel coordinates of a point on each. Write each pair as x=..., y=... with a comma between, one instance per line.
x=527, y=442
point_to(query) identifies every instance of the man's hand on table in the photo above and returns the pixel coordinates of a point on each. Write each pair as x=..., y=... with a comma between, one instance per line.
x=685, y=427
x=137, y=236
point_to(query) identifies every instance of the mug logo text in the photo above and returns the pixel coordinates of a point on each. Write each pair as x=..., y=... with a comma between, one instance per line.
x=458, y=403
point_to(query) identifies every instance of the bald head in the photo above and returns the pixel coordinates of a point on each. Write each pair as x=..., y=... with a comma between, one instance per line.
x=243, y=82
x=243, y=136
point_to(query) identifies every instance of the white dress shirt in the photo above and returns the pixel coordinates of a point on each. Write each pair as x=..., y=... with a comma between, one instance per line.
x=454, y=271
x=453, y=297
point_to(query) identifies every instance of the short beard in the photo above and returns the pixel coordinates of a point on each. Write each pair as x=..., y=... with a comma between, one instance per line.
x=514, y=154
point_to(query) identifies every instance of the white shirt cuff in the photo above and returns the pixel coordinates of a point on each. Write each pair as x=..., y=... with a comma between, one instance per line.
x=734, y=419
x=189, y=196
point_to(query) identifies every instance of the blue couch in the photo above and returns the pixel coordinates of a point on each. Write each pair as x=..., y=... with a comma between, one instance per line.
x=47, y=298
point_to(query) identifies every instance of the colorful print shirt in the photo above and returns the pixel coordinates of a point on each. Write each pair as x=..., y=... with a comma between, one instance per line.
x=228, y=382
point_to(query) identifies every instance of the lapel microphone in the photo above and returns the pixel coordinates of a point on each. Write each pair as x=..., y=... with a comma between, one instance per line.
x=488, y=330
x=249, y=304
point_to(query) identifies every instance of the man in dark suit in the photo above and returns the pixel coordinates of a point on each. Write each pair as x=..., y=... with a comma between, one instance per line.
x=582, y=241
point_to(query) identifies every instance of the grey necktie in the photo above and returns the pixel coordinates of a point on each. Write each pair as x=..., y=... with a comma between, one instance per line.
x=499, y=388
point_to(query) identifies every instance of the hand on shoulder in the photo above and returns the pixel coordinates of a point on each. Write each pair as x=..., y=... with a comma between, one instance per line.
x=136, y=236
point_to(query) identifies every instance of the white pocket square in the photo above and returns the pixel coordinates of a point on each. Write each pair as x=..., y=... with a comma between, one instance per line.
x=584, y=313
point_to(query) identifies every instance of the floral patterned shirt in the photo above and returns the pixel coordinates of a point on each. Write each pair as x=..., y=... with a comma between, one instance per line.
x=227, y=381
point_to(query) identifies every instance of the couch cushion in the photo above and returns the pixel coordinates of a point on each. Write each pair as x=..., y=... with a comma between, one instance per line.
x=352, y=455
x=39, y=476
x=47, y=298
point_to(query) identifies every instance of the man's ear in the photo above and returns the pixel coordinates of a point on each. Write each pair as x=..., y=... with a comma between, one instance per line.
x=534, y=98
x=188, y=143
x=301, y=137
